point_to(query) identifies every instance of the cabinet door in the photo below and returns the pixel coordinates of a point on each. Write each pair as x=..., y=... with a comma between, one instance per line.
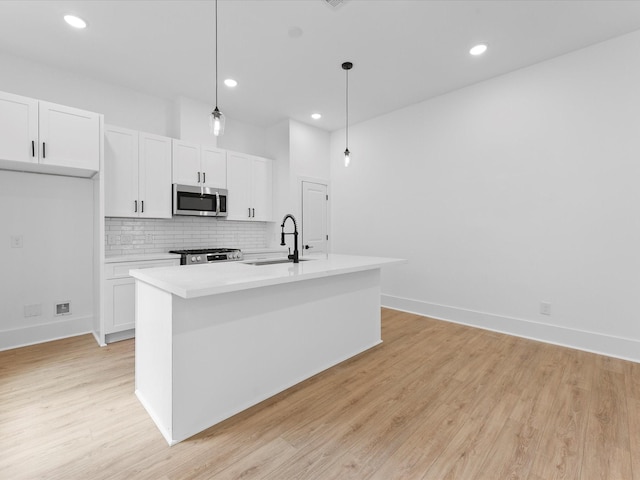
x=214, y=167
x=154, y=184
x=186, y=163
x=18, y=128
x=261, y=188
x=69, y=137
x=120, y=172
x=120, y=300
x=239, y=186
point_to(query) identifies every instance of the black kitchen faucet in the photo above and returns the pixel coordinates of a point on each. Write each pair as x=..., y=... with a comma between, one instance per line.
x=295, y=257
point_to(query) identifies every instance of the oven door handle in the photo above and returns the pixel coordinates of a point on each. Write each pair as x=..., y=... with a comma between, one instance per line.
x=217, y=204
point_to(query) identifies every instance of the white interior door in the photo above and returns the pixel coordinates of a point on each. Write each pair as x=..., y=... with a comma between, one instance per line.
x=314, y=218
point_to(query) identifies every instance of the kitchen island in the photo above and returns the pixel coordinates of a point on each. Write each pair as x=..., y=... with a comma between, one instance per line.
x=215, y=339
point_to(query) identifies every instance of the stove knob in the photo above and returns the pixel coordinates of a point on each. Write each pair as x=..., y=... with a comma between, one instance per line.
x=199, y=258
x=193, y=259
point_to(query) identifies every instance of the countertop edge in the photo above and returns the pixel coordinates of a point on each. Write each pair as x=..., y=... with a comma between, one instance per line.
x=148, y=277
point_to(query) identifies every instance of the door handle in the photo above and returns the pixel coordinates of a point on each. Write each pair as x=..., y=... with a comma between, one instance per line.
x=44, y=151
x=307, y=247
x=33, y=148
x=142, y=203
x=254, y=212
x=204, y=177
x=135, y=206
x=198, y=177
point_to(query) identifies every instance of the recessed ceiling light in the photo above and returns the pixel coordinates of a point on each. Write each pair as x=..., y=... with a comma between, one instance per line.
x=230, y=82
x=316, y=116
x=75, y=22
x=478, y=49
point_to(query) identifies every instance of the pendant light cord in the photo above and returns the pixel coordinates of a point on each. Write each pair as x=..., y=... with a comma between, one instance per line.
x=216, y=53
x=347, y=104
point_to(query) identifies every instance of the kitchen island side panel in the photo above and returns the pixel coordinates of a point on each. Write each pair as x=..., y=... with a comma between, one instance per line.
x=154, y=353
x=233, y=350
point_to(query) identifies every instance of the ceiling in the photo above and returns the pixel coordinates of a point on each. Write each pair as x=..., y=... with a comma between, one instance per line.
x=286, y=54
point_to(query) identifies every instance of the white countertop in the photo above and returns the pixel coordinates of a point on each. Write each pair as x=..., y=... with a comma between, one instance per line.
x=191, y=281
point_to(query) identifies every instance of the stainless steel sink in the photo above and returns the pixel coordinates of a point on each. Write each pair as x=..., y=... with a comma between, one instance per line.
x=275, y=261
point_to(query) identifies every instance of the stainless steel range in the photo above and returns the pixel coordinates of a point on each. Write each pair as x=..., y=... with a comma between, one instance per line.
x=208, y=255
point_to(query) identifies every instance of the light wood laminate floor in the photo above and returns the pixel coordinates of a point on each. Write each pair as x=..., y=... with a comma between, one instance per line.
x=434, y=401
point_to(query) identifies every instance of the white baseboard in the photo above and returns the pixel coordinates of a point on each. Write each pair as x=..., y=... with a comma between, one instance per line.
x=118, y=336
x=618, y=347
x=46, y=332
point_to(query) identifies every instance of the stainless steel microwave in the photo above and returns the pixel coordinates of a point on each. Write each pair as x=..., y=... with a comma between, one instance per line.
x=200, y=201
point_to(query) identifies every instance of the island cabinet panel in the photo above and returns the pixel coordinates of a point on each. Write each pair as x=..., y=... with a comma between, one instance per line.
x=201, y=360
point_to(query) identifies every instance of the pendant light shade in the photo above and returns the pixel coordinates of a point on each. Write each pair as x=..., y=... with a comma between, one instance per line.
x=346, y=66
x=216, y=122
x=216, y=118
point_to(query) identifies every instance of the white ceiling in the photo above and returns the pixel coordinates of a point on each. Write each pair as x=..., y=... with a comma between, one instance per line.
x=403, y=51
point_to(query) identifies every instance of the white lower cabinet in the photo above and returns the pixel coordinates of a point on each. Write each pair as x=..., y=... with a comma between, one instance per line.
x=120, y=296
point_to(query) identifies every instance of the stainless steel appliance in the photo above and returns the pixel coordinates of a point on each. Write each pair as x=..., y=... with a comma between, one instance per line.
x=200, y=201
x=208, y=255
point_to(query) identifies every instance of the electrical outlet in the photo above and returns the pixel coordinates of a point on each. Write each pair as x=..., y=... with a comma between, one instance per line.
x=126, y=239
x=16, y=241
x=545, y=308
x=149, y=238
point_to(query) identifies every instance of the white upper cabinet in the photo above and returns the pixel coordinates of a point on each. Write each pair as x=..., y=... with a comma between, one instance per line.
x=186, y=163
x=44, y=137
x=69, y=137
x=137, y=169
x=18, y=128
x=198, y=165
x=249, y=181
x=214, y=167
x=154, y=175
x=120, y=171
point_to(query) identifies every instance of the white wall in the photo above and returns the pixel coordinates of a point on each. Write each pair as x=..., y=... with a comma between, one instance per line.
x=299, y=152
x=121, y=106
x=514, y=191
x=309, y=151
x=53, y=215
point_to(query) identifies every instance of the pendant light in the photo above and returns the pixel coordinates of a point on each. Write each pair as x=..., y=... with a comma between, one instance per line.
x=216, y=119
x=346, y=66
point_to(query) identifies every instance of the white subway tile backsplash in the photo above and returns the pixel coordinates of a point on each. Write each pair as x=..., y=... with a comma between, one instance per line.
x=130, y=236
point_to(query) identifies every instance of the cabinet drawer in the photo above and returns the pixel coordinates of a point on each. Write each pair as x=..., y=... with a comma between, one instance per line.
x=121, y=269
